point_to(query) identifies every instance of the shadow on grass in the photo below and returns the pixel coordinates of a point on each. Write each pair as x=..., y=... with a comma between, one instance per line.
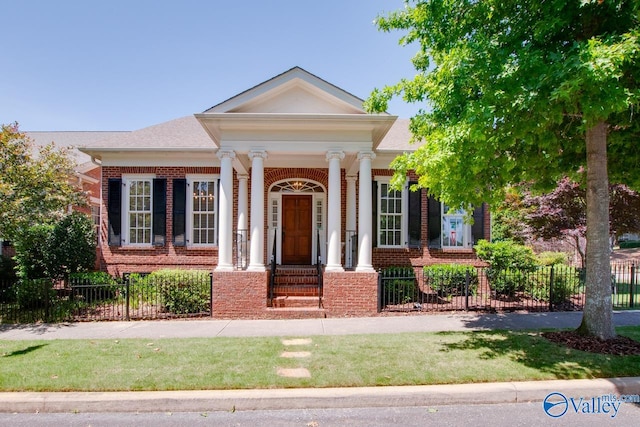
x=531, y=350
x=24, y=351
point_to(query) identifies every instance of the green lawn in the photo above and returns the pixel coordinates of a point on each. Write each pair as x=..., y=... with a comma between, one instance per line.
x=335, y=361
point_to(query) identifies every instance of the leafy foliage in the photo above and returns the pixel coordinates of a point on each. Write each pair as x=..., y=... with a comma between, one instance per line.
x=35, y=185
x=181, y=291
x=32, y=252
x=523, y=91
x=53, y=251
x=400, y=285
x=508, y=218
x=562, y=213
x=73, y=245
x=552, y=258
x=505, y=254
x=451, y=279
x=509, y=264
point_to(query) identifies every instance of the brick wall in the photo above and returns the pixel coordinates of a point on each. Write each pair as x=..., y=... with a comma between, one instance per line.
x=118, y=260
x=350, y=293
x=122, y=259
x=239, y=294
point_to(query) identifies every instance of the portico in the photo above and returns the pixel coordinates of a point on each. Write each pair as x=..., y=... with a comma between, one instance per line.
x=295, y=121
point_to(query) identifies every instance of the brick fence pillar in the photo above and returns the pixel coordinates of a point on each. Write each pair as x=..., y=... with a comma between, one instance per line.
x=239, y=294
x=350, y=293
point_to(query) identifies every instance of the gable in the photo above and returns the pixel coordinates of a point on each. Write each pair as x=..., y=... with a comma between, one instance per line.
x=296, y=97
x=293, y=92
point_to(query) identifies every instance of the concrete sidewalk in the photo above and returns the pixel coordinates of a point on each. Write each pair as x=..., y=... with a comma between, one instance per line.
x=304, y=327
x=225, y=400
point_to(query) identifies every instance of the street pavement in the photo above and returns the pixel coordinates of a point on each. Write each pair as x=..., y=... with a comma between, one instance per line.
x=225, y=400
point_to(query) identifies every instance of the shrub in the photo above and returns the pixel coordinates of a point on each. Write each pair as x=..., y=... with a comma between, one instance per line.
x=93, y=286
x=509, y=264
x=566, y=282
x=450, y=279
x=7, y=269
x=32, y=252
x=7, y=279
x=630, y=244
x=72, y=247
x=552, y=258
x=141, y=290
x=506, y=255
x=507, y=281
x=400, y=285
x=182, y=291
x=54, y=251
x=35, y=293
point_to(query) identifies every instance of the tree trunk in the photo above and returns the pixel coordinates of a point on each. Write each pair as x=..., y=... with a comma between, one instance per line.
x=597, y=318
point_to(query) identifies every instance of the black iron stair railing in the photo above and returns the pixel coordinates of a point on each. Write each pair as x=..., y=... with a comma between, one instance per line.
x=272, y=280
x=319, y=269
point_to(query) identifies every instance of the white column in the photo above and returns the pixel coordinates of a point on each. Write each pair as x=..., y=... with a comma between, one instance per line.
x=225, y=234
x=351, y=219
x=365, y=214
x=333, y=213
x=243, y=217
x=256, y=254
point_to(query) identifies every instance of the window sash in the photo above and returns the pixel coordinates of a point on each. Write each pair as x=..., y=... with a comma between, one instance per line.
x=139, y=203
x=203, y=212
x=391, y=215
x=454, y=228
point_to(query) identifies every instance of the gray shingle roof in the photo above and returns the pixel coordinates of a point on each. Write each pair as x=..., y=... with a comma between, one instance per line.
x=178, y=134
x=73, y=139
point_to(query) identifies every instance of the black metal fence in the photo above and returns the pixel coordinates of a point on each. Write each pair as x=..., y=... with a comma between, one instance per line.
x=134, y=297
x=559, y=288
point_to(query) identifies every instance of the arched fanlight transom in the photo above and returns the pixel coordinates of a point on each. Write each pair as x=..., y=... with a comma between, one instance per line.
x=297, y=186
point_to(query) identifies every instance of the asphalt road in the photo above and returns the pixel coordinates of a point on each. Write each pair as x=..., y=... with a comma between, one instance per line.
x=478, y=415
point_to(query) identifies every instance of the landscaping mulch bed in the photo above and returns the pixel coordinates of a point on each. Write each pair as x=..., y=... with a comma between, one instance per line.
x=620, y=346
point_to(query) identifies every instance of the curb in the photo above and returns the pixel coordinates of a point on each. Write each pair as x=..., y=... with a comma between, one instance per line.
x=310, y=398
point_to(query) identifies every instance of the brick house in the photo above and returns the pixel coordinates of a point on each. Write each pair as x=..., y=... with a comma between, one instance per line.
x=292, y=170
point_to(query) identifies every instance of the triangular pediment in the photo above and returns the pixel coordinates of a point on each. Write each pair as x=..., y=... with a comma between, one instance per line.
x=294, y=92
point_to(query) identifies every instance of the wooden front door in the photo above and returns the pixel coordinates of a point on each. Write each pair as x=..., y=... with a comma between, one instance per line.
x=296, y=229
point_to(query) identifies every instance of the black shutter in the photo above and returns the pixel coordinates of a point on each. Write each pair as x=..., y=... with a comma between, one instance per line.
x=434, y=222
x=179, y=212
x=414, y=217
x=159, y=220
x=114, y=211
x=477, y=229
x=374, y=215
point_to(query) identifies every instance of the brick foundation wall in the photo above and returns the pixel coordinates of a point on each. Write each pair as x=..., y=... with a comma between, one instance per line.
x=350, y=293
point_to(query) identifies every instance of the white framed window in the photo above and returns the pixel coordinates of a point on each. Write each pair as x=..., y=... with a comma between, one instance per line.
x=456, y=233
x=138, y=202
x=392, y=215
x=202, y=210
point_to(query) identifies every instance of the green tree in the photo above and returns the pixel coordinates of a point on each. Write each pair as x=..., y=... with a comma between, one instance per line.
x=72, y=246
x=56, y=250
x=35, y=183
x=524, y=91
